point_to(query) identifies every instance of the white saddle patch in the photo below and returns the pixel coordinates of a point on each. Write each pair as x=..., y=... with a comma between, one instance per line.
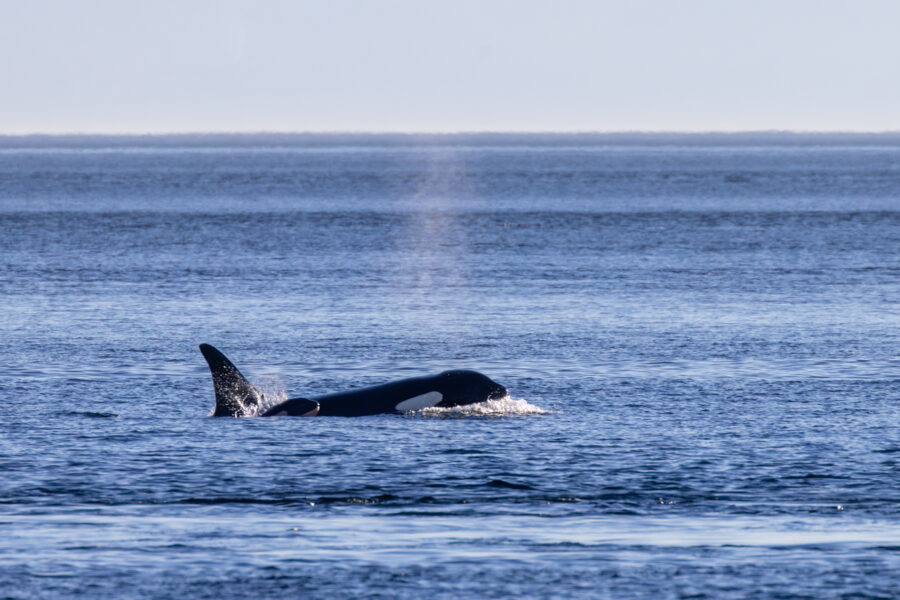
x=419, y=402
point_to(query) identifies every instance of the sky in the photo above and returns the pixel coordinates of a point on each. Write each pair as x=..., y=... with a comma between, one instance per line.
x=124, y=66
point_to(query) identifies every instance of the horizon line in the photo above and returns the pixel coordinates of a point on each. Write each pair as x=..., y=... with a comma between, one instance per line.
x=363, y=132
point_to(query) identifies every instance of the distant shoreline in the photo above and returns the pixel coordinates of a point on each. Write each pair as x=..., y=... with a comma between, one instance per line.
x=747, y=138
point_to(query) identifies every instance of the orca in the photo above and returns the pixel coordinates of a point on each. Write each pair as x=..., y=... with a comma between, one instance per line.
x=236, y=396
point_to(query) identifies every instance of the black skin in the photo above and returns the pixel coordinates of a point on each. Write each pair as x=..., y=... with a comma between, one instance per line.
x=457, y=388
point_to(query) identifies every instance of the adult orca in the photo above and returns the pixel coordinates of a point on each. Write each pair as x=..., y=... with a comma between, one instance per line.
x=236, y=397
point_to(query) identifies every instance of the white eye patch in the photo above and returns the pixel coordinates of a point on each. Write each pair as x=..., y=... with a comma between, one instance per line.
x=420, y=402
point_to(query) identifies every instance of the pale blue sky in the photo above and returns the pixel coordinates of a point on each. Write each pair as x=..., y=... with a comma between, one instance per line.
x=114, y=66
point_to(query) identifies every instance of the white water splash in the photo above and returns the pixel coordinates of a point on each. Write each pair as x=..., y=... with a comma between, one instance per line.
x=273, y=393
x=502, y=407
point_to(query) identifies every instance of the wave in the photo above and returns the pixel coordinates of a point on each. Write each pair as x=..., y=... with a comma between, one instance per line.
x=90, y=414
x=502, y=407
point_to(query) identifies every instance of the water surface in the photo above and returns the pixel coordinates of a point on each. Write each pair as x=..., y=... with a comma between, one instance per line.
x=700, y=339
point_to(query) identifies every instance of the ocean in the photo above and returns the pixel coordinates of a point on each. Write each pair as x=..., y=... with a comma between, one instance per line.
x=699, y=334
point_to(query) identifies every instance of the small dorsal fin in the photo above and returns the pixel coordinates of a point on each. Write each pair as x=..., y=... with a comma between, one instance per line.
x=235, y=396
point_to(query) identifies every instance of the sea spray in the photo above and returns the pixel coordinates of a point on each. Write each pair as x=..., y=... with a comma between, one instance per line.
x=501, y=407
x=273, y=392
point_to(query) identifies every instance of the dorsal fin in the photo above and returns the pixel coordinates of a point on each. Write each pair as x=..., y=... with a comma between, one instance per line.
x=235, y=396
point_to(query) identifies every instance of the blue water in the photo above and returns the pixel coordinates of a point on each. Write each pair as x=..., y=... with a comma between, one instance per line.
x=700, y=337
